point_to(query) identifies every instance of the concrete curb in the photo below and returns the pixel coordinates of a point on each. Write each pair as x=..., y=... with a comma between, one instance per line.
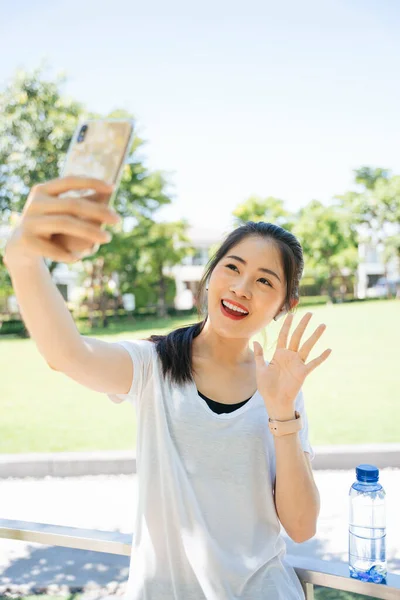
x=67, y=464
x=78, y=464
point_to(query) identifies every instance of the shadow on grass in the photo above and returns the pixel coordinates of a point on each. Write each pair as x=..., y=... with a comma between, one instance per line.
x=42, y=568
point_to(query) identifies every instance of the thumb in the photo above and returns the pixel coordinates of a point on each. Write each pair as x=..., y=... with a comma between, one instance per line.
x=258, y=353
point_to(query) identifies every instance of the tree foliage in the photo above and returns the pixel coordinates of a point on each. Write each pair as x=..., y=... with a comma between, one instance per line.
x=328, y=239
x=36, y=125
x=268, y=209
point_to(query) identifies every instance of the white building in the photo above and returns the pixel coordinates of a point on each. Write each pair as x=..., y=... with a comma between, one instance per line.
x=371, y=268
x=188, y=274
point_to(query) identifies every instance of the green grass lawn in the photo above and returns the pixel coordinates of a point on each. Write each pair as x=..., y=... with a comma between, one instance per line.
x=352, y=398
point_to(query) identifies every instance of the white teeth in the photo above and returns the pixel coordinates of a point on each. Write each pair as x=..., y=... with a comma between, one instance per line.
x=233, y=307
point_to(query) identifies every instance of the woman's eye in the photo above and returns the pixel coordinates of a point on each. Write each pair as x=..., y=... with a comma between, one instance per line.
x=266, y=280
x=229, y=266
x=261, y=278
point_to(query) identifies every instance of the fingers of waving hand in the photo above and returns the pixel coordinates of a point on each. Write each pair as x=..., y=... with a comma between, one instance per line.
x=296, y=339
x=317, y=361
x=309, y=345
x=298, y=332
x=284, y=332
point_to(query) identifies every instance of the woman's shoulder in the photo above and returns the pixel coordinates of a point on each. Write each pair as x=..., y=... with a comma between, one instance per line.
x=143, y=348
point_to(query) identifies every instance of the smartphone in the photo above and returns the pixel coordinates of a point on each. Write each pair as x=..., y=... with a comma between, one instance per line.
x=99, y=148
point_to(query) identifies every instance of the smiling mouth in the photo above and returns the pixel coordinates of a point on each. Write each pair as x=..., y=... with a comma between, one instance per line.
x=232, y=314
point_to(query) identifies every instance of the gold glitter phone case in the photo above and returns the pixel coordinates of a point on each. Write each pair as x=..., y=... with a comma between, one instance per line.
x=99, y=148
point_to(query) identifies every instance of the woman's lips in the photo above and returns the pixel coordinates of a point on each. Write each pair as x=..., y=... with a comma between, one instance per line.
x=239, y=317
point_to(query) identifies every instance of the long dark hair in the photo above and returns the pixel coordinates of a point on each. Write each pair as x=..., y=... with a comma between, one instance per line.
x=175, y=348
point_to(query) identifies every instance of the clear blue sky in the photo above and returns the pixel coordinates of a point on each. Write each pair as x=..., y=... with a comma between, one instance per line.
x=268, y=98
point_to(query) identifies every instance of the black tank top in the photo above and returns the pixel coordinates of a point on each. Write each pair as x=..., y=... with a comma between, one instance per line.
x=219, y=407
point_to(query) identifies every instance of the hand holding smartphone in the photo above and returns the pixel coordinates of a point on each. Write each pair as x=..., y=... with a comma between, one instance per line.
x=98, y=149
x=49, y=212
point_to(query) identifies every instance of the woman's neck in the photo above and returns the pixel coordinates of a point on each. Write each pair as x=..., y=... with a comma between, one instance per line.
x=224, y=351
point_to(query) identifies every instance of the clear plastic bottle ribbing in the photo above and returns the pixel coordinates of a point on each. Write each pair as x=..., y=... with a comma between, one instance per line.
x=367, y=526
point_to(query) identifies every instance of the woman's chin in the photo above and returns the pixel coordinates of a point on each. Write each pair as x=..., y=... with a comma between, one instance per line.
x=230, y=329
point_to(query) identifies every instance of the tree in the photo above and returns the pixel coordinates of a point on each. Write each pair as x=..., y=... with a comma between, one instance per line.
x=328, y=240
x=369, y=176
x=36, y=126
x=376, y=210
x=268, y=209
x=141, y=258
x=167, y=244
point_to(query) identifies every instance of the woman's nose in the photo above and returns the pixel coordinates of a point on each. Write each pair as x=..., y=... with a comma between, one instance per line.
x=241, y=290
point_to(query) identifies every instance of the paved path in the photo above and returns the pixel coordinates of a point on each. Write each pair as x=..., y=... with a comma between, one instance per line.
x=108, y=503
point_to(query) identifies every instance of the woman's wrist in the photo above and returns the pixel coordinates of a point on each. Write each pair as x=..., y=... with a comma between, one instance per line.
x=288, y=416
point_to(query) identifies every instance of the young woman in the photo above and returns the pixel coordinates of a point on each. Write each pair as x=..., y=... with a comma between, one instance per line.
x=223, y=455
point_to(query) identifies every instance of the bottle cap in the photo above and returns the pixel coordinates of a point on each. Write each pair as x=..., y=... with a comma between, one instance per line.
x=367, y=473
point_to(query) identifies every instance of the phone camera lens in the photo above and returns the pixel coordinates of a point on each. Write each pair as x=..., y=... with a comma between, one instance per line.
x=82, y=133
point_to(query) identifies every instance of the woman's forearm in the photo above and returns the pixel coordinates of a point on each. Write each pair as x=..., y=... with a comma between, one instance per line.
x=297, y=499
x=44, y=311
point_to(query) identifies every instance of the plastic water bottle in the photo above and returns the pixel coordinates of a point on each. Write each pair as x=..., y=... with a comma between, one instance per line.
x=367, y=526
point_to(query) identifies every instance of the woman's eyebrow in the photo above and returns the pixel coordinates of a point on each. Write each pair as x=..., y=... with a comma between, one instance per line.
x=260, y=268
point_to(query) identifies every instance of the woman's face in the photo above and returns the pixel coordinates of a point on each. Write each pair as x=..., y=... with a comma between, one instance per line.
x=241, y=280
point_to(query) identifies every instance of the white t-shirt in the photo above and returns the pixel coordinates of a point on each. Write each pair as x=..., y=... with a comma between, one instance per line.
x=206, y=525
